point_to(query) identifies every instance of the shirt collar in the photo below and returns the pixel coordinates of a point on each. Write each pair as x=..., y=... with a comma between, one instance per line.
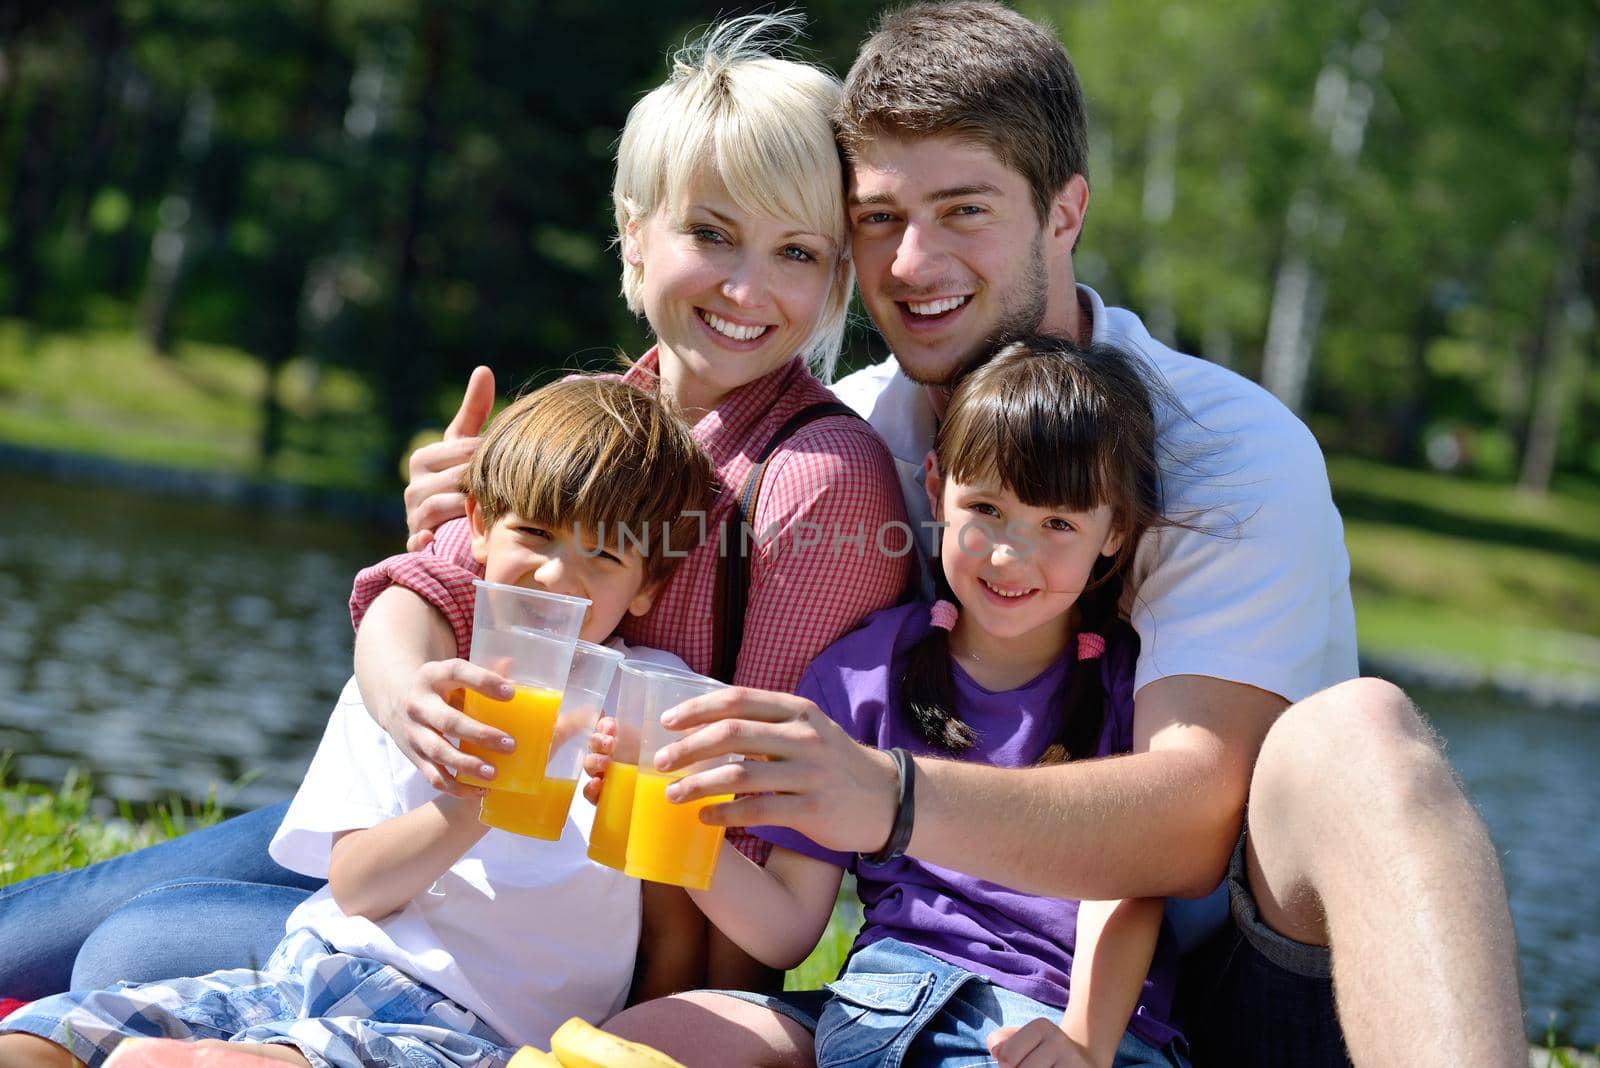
x=722, y=431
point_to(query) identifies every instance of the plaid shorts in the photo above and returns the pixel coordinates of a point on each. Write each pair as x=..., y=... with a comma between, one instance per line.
x=338, y=1010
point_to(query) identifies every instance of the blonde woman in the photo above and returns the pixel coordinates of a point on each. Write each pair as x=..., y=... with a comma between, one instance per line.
x=731, y=229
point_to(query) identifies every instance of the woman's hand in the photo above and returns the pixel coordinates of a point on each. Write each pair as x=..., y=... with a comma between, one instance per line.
x=1037, y=1044
x=598, y=759
x=816, y=778
x=434, y=495
x=430, y=710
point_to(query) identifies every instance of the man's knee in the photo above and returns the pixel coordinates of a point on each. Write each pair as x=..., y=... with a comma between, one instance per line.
x=1360, y=743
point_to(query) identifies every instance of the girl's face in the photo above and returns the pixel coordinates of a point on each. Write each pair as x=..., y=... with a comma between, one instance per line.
x=730, y=295
x=1017, y=570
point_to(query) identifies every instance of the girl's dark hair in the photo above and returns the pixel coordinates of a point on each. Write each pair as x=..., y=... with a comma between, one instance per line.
x=1060, y=427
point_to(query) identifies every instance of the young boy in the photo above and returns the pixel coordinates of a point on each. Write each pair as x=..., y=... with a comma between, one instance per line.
x=438, y=941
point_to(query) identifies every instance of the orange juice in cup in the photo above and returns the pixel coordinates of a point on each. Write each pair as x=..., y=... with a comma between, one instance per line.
x=528, y=637
x=529, y=717
x=608, y=838
x=540, y=813
x=533, y=791
x=667, y=843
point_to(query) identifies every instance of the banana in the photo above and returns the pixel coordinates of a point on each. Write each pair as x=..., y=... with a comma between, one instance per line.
x=576, y=1044
x=528, y=1057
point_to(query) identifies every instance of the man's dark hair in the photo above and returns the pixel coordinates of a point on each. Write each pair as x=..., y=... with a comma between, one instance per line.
x=978, y=71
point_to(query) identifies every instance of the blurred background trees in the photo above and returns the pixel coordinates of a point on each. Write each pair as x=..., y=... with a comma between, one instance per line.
x=1386, y=211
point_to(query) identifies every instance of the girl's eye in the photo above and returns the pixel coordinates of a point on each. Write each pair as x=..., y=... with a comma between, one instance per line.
x=1054, y=523
x=983, y=508
x=610, y=557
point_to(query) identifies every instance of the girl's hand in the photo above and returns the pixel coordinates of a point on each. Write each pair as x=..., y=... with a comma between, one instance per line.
x=1037, y=1044
x=598, y=759
x=430, y=710
x=433, y=496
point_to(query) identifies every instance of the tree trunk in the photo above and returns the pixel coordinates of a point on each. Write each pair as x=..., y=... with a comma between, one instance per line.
x=1552, y=360
x=410, y=373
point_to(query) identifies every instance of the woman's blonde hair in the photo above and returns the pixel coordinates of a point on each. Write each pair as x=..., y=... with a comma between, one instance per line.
x=764, y=125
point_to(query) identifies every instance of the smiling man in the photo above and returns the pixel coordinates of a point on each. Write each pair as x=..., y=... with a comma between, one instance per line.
x=964, y=128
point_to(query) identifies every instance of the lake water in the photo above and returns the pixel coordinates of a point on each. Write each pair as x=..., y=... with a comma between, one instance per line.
x=169, y=648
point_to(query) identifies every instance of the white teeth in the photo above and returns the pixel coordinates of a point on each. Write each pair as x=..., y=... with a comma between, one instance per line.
x=1002, y=593
x=936, y=307
x=733, y=330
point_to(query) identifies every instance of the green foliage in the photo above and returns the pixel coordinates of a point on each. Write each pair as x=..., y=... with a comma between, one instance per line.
x=43, y=830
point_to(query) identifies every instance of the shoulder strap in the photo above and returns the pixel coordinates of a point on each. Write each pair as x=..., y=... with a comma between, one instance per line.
x=733, y=578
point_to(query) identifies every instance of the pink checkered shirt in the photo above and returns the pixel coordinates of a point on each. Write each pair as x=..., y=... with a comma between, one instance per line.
x=805, y=591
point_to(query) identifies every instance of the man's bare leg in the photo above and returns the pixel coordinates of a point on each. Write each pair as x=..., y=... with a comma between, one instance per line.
x=1361, y=839
x=706, y=1030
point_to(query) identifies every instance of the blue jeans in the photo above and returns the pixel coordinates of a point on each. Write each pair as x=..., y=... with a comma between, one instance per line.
x=208, y=900
x=895, y=1005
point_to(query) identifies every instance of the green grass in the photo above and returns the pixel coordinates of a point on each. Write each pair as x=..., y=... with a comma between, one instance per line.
x=107, y=393
x=1472, y=571
x=46, y=830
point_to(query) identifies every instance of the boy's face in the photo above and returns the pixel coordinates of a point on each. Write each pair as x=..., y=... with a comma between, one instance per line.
x=951, y=255
x=520, y=552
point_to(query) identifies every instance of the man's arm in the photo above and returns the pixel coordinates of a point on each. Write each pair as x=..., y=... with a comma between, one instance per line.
x=1157, y=822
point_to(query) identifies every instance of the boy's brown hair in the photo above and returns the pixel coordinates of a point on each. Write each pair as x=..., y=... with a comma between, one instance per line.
x=977, y=71
x=603, y=456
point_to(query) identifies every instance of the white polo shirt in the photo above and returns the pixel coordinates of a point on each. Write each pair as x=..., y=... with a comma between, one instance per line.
x=1261, y=593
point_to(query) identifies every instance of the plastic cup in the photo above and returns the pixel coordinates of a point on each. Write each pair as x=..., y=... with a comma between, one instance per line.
x=542, y=813
x=667, y=843
x=608, y=839
x=528, y=636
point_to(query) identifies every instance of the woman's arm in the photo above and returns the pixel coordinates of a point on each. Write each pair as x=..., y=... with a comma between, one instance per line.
x=774, y=913
x=1110, y=961
x=813, y=582
x=375, y=871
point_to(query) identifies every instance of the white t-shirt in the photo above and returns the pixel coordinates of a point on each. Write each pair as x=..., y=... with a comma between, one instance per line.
x=522, y=932
x=1261, y=594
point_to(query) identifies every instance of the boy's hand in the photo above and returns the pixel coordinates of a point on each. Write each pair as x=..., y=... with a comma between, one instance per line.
x=1037, y=1044
x=434, y=496
x=431, y=710
x=598, y=759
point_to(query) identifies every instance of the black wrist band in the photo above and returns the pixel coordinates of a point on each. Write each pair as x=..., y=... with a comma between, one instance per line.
x=904, y=811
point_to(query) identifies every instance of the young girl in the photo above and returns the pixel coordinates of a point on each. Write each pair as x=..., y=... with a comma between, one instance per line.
x=1043, y=474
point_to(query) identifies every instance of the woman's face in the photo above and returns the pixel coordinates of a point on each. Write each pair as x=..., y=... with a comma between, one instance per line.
x=730, y=295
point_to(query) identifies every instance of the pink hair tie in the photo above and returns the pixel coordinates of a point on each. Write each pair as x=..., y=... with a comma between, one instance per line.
x=1090, y=645
x=943, y=615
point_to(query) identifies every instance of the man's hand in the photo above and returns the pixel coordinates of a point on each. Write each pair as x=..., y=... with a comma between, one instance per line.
x=429, y=711
x=816, y=778
x=433, y=496
x=1037, y=1044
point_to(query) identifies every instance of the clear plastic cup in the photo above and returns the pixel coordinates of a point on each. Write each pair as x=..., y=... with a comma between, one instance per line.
x=542, y=813
x=608, y=839
x=528, y=636
x=667, y=843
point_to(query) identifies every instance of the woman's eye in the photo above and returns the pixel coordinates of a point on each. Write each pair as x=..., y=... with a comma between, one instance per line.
x=708, y=235
x=798, y=254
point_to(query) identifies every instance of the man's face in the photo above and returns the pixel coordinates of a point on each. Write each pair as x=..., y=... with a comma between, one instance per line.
x=950, y=252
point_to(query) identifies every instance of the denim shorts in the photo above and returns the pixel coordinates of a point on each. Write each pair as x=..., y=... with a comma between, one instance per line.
x=895, y=1005
x=338, y=1010
x=1250, y=998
